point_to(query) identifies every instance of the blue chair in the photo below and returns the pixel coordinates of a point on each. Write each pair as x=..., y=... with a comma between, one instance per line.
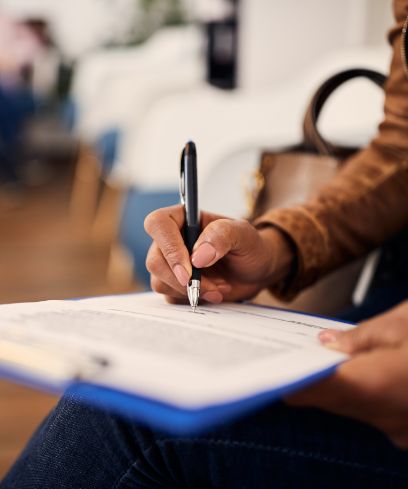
x=107, y=147
x=68, y=111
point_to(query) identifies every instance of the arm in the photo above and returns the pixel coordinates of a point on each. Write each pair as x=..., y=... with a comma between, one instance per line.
x=368, y=200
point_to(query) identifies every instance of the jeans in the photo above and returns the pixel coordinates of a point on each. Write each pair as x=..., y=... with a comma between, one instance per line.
x=80, y=447
x=389, y=285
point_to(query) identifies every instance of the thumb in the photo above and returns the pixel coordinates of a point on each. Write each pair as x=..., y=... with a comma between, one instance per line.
x=380, y=332
x=221, y=237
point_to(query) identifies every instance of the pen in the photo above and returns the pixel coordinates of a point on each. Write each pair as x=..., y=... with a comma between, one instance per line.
x=189, y=198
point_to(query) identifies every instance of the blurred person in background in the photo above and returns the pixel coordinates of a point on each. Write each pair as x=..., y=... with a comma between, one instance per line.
x=19, y=46
x=352, y=428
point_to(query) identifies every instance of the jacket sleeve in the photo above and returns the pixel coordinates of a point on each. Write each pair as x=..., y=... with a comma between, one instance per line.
x=366, y=203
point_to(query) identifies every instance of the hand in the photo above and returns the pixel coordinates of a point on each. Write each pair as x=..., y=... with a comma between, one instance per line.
x=373, y=386
x=237, y=259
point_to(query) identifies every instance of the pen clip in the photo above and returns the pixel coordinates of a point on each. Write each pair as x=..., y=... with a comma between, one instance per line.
x=182, y=183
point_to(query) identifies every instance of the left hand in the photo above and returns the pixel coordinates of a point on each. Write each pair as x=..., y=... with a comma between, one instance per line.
x=373, y=386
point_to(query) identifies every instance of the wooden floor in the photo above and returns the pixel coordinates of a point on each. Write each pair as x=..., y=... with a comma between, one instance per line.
x=43, y=256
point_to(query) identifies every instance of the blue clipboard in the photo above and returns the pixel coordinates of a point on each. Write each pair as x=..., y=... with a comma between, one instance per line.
x=157, y=414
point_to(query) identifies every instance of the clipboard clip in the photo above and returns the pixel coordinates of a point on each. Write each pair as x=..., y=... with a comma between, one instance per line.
x=44, y=361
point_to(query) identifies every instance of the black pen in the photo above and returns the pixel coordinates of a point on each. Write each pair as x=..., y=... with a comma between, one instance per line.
x=192, y=229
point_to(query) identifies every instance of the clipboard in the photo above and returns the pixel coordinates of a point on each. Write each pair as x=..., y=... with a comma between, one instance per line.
x=45, y=369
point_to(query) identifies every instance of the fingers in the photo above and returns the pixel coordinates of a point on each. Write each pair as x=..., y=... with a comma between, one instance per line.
x=387, y=330
x=221, y=237
x=357, y=340
x=163, y=280
x=163, y=288
x=164, y=225
x=161, y=272
x=173, y=295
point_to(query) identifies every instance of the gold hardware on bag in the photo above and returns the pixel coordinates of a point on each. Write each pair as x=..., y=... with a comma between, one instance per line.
x=252, y=186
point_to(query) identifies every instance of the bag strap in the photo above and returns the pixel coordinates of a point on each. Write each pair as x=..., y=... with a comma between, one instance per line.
x=312, y=137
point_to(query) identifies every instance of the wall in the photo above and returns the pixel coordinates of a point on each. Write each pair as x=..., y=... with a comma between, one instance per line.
x=282, y=37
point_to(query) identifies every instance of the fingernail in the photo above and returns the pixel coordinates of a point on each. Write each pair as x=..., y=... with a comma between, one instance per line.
x=213, y=296
x=181, y=274
x=204, y=255
x=329, y=336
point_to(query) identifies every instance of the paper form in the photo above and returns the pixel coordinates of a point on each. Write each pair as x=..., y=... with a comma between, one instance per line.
x=144, y=346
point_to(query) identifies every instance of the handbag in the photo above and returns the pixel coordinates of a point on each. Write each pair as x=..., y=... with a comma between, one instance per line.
x=292, y=175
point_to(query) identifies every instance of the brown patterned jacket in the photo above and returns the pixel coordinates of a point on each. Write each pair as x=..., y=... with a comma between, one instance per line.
x=367, y=202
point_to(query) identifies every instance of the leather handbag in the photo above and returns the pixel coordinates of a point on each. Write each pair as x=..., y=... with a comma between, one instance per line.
x=292, y=176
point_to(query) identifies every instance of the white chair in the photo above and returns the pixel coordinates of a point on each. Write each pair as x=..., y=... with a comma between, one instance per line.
x=223, y=123
x=114, y=85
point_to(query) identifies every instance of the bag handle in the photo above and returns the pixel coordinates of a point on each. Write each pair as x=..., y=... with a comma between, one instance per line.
x=312, y=137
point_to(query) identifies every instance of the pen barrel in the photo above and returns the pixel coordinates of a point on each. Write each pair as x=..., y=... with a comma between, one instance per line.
x=191, y=234
x=196, y=274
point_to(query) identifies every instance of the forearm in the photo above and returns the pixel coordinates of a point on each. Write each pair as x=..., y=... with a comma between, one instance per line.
x=368, y=200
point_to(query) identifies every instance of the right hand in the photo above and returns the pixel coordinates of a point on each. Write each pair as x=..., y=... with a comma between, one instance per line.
x=237, y=260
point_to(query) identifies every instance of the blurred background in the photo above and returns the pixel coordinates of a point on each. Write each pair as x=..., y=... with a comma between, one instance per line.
x=97, y=98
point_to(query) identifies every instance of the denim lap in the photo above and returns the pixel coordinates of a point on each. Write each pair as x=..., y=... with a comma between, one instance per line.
x=80, y=447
